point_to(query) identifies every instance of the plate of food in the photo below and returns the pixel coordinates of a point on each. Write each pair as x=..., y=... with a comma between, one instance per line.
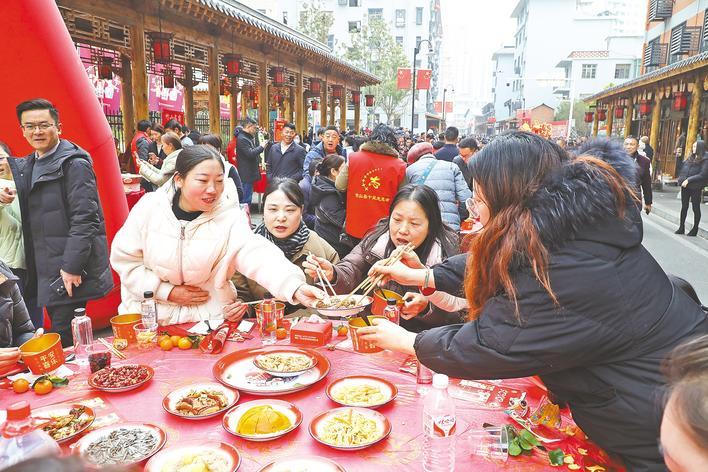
x=361, y=390
x=350, y=428
x=333, y=306
x=262, y=420
x=285, y=362
x=65, y=421
x=121, y=444
x=303, y=464
x=121, y=378
x=200, y=400
x=195, y=456
x=237, y=370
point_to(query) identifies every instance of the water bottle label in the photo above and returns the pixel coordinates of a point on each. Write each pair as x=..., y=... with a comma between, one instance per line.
x=441, y=426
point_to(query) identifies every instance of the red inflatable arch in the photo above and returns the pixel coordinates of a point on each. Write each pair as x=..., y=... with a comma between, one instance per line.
x=40, y=60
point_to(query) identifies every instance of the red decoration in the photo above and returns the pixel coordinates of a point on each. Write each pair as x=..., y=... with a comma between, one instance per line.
x=315, y=105
x=356, y=97
x=422, y=79
x=680, y=101
x=601, y=114
x=252, y=93
x=369, y=100
x=589, y=116
x=619, y=112
x=232, y=64
x=644, y=107
x=315, y=86
x=168, y=78
x=161, y=50
x=337, y=92
x=403, y=79
x=278, y=76
x=105, y=70
x=224, y=87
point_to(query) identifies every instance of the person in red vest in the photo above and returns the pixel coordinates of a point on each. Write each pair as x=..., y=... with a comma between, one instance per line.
x=140, y=148
x=371, y=178
x=231, y=147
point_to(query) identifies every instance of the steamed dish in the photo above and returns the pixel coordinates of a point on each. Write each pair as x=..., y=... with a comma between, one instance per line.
x=349, y=428
x=261, y=420
x=284, y=362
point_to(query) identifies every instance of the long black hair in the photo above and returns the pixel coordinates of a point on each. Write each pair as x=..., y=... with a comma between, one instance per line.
x=700, y=150
x=329, y=163
x=289, y=187
x=437, y=230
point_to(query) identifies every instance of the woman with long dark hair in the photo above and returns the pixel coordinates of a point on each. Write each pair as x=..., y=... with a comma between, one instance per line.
x=329, y=203
x=560, y=286
x=414, y=219
x=692, y=179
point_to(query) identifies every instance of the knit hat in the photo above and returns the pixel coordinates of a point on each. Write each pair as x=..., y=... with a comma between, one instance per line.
x=418, y=150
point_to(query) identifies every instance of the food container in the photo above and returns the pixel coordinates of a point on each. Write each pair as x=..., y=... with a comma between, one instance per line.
x=99, y=356
x=360, y=345
x=146, y=335
x=123, y=326
x=43, y=354
x=311, y=334
x=380, y=298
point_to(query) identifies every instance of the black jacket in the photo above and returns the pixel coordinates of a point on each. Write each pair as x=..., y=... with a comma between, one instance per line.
x=15, y=324
x=248, y=153
x=695, y=171
x=330, y=209
x=642, y=181
x=618, y=317
x=285, y=165
x=63, y=225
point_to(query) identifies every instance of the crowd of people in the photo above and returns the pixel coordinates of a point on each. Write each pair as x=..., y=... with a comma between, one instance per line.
x=556, y=283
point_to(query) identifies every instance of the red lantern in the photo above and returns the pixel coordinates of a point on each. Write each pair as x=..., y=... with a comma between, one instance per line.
x=601, y=114
x=315, y=86
x=252, y=93
x=337, y=92
x=589, y=116
x=644, y=107
x=680, y=101
x=105, y=70
x=161, y=50
x=168, y=78
x=232, y=64
x=356, y=97
x=369, y=100
x=278, y=76
x=315, y=105
x=619, y=112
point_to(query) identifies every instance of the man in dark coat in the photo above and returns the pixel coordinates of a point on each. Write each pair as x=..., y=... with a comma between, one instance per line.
x=62, y=220
x=330, y=144
x=248, y=152
x=642, y=182
x=449, y=150
x=286, y=158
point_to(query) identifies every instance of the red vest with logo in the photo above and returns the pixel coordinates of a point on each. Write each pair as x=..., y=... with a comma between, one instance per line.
x=134, y=147
x=373, y=182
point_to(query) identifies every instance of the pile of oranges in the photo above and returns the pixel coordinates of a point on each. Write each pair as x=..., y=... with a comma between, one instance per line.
x=167, y=342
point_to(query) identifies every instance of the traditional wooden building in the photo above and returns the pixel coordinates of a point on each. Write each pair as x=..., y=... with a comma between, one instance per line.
x=669, y=101
x=268, y=70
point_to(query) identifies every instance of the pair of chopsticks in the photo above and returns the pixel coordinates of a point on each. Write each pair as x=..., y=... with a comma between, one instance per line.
x=324, y=281
x=110, y=347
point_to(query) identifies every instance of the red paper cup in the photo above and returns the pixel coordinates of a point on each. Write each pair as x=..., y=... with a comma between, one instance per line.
x=360, y=345
x=43, y=354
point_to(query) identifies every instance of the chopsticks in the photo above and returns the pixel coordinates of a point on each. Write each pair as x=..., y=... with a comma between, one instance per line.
x=110, y=347
x=324, y=281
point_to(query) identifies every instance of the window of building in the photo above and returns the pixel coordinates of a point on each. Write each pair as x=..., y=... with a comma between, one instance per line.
x=622, y=71
x=399, y=40
x=400, y=18
x=285, y=18
x=375, y=12
x=354, y=3
x=589, y=71
x=355, y=26
x=330, y=41
x=419, y=16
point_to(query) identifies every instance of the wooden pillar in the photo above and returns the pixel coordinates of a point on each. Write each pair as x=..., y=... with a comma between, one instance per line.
x=263, y=97
x=233, y=104
x=214, y=107
x=139, y=73
x=324, y=99
x=298, y=105
x=694, y=116
x=628, y=113
x=126, y=100
x=655, y=122
x=289, y=113
x=596, y=122
x=245, y=104
x=610, y=120
x=331, y=119
x=188, y=96
x=357, y=115
x=343, y=111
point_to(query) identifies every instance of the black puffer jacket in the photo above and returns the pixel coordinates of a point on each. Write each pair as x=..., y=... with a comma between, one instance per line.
x=695, y=169
x=330, y=209
x=63, y=225
x=15, y=324
x=618, y=317
x=249, y=157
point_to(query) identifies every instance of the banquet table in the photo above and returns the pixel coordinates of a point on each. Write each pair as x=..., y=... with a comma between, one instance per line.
x=402, y=450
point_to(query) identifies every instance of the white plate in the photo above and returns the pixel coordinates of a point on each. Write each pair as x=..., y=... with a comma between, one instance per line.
x=388, y=389
x=285, y=353
x=305, y=464
x=231, y=419
x=169, y=403
x=227, y=452
x=383, y=426
x=96, y=435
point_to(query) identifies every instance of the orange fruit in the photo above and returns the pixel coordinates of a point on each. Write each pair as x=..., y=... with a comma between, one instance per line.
x=175, y=339
x=20, y=386
x=43, y=387
x=166, y=344
x=162, y=338
x=342, y=330
x=184, y=343
x=281, y=333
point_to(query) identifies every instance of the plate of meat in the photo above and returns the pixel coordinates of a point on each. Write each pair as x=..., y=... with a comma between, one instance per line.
x=121, y=378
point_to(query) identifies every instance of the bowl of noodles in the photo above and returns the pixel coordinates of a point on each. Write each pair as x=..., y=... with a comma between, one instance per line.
x=350, y=428
x=333, y=306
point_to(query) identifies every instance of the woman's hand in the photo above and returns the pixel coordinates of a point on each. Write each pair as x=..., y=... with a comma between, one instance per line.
x=399, y=272
x=235, y=311
x=9, y=356
x=411, y=259
x=308, y=295
x=387, y=335
x=312, y=262
x=684, y=184
x=414, y=305
x=187, y=295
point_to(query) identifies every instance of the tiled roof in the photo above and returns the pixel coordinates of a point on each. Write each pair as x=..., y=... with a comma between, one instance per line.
x=664, y=72
x=589, y=55
x=253, y=18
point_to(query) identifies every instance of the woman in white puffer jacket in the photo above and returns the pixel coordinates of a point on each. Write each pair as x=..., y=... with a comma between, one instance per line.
x=185, y=241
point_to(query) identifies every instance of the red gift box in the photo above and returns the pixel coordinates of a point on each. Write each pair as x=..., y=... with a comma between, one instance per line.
x=311, y=334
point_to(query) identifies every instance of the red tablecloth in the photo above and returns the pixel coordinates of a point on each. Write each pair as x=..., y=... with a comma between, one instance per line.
x=401, y=451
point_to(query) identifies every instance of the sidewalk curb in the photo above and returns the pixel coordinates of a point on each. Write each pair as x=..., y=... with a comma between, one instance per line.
x=673, y=218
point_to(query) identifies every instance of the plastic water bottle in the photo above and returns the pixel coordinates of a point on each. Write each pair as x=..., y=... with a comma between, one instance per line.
x=424, y=378
x=148, y=308
x=22, y=438
x=82, y=330
x=439, y=428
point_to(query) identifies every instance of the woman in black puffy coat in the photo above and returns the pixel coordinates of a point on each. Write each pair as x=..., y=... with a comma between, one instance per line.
x=329, y=203
x=692, y=178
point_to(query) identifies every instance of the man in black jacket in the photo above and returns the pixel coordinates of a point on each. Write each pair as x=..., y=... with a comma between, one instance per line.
x=643, y=181
x=285, y=159
x=248, y=152
x=62, y=221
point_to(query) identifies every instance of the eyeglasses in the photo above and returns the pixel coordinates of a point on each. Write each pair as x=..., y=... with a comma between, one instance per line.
x=30, y=127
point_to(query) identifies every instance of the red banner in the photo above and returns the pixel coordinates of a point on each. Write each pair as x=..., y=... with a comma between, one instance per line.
x=278, y=129
x=403, y=79
x=448, y=107
x=167, y=115
x=422, y=79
